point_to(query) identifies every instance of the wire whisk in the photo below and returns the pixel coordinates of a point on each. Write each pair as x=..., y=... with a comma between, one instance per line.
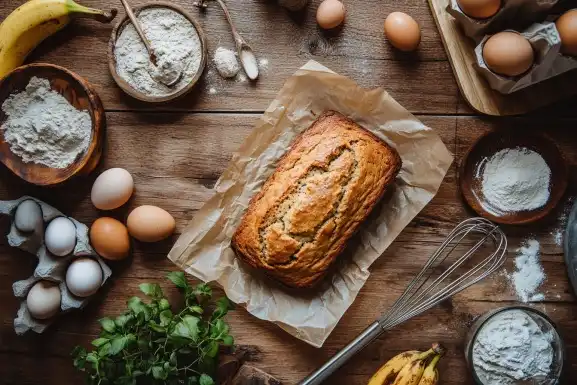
x=441, y=277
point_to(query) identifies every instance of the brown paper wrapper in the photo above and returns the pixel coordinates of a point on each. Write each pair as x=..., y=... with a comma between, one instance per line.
x=204, y=251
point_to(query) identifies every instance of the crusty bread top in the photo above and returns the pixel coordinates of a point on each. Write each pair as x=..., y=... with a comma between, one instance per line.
x=322, y=189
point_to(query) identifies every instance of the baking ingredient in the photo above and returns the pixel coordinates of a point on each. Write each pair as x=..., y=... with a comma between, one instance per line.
x=431, y=373
x=112, y=189
x=157, y=343
x=60, y=236
x=175, y=42
x=226, y=62
x=516, y=179
x=249, y=63
x=150, y=223
x=84, y=277
x=412, y=372
x=43, y=299
x=392, y=367
x=402, y=31
x=110, y=239
x=330, y=14
x=508, y=54
x=479, y=9
x=32, y=22
x=43, y=127
x=511, y=348
x=28, y=216
x=529, y=274
x=567, y=27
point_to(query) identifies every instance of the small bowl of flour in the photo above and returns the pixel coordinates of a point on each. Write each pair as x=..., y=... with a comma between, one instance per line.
x=515, y=345
x=178, y=42
x=513, y=177
x=52, y=124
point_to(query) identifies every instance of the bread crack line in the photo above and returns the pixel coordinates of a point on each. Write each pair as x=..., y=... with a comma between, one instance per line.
x=301, y=217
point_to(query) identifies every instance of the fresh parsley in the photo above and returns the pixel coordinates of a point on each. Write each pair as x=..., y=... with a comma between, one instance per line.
x=153, y=344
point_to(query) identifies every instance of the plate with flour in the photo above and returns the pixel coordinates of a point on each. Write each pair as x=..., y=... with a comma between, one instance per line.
x=513, y=177
x=51, y=124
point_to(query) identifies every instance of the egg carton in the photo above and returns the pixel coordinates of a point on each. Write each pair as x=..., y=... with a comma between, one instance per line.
x=49, y=267
x=516, y=14
x=549, y=62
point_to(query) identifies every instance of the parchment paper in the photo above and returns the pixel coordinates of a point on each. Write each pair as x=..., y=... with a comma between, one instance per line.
x=549, y=61
x=203, y=249
x=516, y=14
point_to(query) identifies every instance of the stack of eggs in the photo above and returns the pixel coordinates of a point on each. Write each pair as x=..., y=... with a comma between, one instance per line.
x=110, y=237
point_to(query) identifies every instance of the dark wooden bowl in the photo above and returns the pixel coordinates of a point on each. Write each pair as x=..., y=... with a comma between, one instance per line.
x=81, y=95
x=124, y=84
x=496, y=141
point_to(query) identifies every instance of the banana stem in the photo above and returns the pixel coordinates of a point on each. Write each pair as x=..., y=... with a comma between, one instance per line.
x=77, y=10
x=434, y=361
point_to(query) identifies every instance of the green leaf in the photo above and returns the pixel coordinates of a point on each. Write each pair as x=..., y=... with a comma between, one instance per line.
x=159, y=373
x=104, y=350
x=202, y=292
x=196, y=309
x=193, y=380
x=187, y=328
x=165, y=317
x=219, y=329
x=107, y=324
x=205, y=379
x=138, y=307
x=212, y=349
x=91, y=357
x=223, y=305
x=156, y=327
x=120, y=343
x=177, y=277
x=228, y=340
x=163, y=304
x=78, y=351
x=99, y=342
x=122, y=320
x=173, y=360
x=151, y=289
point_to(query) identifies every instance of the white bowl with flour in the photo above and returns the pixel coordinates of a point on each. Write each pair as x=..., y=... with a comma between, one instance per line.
x=178, y=42
x=513, y=346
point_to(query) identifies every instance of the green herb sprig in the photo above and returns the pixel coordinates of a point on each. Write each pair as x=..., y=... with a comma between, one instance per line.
x=152, y=344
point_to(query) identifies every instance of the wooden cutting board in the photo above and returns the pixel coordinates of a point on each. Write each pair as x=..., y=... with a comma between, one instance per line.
x=476, y=91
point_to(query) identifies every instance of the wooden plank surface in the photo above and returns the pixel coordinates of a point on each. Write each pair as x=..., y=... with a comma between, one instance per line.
x=176, y=156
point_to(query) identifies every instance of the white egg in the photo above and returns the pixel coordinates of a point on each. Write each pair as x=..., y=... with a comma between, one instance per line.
x=28, y=216
x=60, y=236
x=43, y=300
x=84, y=277
x=112, y=189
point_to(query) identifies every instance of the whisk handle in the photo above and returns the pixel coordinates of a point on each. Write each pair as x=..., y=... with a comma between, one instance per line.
x=366, y=337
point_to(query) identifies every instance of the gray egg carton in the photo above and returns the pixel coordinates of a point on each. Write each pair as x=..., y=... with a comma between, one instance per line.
x=50, y=268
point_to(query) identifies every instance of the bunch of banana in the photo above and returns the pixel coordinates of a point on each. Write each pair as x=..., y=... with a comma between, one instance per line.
x=33, y=22
x=410, y=368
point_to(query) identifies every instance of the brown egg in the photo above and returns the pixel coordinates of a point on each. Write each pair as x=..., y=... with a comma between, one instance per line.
x=402, y=31
x=479, y=9
x=508, y=54
x=330, y=14
x=150, y=223
x=567, y=27
x=110, y=239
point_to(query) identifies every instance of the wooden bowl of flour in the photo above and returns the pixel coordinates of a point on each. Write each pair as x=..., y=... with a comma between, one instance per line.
x=473, y=167
x=80, y=94
x=181, y=88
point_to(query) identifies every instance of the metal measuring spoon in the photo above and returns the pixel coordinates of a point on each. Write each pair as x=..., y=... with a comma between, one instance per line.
x=168, y=79
x=245, y=52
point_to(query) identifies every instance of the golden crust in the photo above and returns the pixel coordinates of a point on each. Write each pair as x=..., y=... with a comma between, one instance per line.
x=323, y=188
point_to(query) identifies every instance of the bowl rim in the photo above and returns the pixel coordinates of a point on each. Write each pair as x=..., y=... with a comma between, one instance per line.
x=486, y=317
x=125, y=86
x=97, y=128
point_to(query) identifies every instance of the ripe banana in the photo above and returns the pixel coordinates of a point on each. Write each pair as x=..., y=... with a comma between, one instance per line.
x=431, y=374
x=33, y=22
x=413, y=371
x=388, y=372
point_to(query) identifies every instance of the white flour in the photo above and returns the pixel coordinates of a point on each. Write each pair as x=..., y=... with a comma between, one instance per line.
x=42, y=127
x=226, y=62
x=516, y=179
x=529, y=274
x=175, y=42
x=510, y=348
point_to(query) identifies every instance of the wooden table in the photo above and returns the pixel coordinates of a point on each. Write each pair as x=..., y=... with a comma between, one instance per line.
x=176, y=152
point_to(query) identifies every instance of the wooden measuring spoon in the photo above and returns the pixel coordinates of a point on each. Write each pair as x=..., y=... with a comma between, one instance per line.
x=167, y=81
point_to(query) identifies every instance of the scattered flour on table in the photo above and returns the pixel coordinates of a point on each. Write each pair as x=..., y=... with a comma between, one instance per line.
x=559, y=230
x=510, y=348
x=515, y=179
x=226, y=62
x=529, y=274
x=43, y=127
x=176, y=44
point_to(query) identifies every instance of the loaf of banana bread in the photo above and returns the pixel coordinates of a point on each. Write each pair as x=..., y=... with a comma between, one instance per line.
x=321, y=191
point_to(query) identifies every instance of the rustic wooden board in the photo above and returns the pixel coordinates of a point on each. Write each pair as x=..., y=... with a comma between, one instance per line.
x=175, y=159
x=476, y=90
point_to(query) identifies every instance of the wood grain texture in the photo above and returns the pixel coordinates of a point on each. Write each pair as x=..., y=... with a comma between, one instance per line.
x=474, y=87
